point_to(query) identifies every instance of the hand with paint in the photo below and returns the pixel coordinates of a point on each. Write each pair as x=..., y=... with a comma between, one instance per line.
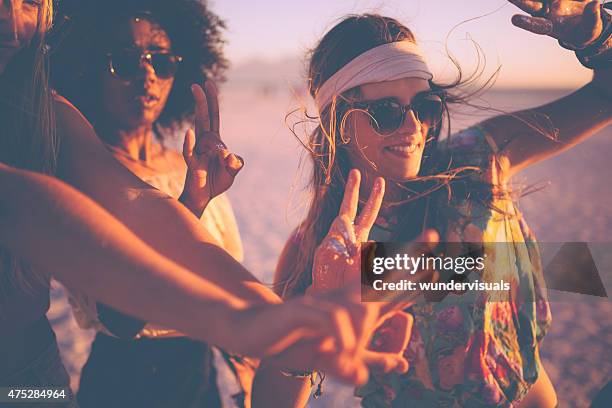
x=575, y=23
x=337, y=259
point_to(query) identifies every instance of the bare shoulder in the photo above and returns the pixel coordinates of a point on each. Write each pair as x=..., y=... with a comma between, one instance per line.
x=64, y=106
x=69, y=120
x=83, y=157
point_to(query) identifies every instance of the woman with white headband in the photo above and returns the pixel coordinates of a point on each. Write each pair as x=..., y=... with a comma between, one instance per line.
x=381, y=113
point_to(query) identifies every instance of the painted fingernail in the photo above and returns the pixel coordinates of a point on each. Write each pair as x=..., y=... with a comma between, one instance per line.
x=378, y=184
x=235, y=162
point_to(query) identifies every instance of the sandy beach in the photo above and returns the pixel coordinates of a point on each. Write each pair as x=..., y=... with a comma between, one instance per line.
x=575, y=205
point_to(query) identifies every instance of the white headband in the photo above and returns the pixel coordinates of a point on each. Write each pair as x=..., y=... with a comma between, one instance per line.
x=387, y=62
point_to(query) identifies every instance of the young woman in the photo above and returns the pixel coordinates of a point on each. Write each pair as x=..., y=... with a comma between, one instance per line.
x=119, y=64
x=381, y=112
x=48, y=228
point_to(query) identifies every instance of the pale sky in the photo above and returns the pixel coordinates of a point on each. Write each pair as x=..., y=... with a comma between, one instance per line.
x=277, y=29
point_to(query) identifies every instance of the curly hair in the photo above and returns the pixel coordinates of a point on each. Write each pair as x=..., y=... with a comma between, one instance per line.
x=82, y=37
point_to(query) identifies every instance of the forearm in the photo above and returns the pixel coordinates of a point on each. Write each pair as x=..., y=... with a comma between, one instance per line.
x=273, y=389
x=531, y=135
x=170, y=229
x=55, y=228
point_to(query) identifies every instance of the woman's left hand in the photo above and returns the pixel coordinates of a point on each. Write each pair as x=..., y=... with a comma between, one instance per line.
x=575, y=23
x=211, y=168
x=337, y=259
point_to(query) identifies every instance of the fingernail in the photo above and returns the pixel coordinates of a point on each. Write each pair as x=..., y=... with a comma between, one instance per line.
x=378, y=184
x=235, y=161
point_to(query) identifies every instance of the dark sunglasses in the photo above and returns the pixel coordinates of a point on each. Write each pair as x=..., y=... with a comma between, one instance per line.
x=388, y=115
x=127, y=64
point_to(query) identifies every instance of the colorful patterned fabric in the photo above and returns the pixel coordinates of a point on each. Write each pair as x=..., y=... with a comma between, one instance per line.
x=474, y=349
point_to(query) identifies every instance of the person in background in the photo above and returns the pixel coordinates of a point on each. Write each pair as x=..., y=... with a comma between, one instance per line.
x=120, y=66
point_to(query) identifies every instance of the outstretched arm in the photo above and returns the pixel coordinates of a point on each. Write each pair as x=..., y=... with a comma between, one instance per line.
x=532, y=135
x=162, y=222
x=54, y=227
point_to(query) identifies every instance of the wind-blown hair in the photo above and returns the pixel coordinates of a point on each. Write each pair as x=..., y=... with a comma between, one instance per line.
x=326, y=146
x=28, y=138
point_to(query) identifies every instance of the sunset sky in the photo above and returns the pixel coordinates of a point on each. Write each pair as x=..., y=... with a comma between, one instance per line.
x=274, y=30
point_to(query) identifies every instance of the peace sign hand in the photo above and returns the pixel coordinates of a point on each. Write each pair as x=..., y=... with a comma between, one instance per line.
x=575, y=23
x=337, y=259
x=211, y=168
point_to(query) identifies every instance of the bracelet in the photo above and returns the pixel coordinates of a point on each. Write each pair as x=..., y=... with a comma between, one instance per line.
x=297, y=373
x=597, y=55
x=307, y=374
x=319, y=390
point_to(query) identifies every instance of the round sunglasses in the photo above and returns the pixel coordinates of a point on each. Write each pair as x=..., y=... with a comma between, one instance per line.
x=127, y=64
x=388, y=115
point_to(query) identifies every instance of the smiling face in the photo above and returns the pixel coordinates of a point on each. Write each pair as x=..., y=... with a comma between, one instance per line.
x=130, y=103
x=18, y=25
x=396, y=156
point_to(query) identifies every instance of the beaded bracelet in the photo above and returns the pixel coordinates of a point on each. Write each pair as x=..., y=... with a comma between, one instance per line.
x=307, y=374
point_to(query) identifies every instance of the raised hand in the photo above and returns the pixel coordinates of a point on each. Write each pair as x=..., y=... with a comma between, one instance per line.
x=337, y=259
x=211, y=168
x=575, y=23
x=337, y=264
x=345, y=326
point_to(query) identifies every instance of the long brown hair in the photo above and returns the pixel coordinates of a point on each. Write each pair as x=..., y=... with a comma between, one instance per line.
x=28, y=138
x=326, y=146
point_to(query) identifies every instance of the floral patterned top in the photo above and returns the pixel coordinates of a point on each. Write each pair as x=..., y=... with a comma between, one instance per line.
x=474, y=349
